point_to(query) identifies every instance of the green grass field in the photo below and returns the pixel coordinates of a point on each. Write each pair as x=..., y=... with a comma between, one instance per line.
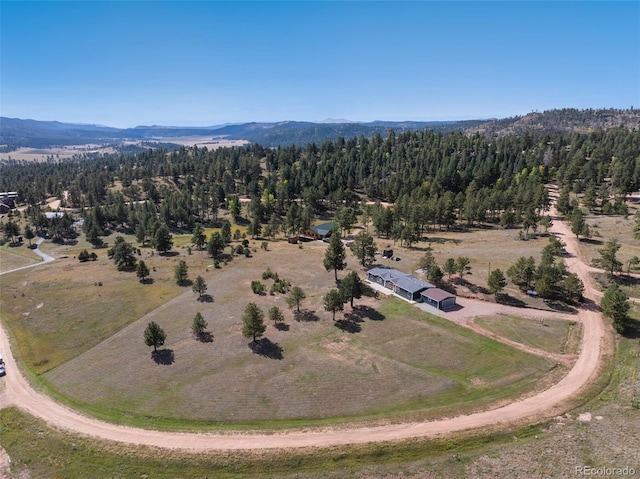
x=15, y=256
x=554, y=336
x=39, y=451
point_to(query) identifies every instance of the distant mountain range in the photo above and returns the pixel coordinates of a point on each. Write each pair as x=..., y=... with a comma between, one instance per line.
x=45, y=134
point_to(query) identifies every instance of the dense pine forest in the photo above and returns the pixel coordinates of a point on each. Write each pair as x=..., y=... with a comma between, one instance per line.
x=435, y=180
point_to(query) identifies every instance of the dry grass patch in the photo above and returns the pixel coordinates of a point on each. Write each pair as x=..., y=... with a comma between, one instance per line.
x=396, y=360
x=479, y=245
x=15, y=256
x=59, y=311
x=608, y=227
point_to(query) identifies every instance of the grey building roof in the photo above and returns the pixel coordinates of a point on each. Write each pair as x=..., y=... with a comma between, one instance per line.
x=386, y=273
x=437, y=294
x=411, y=284
x=400, y=279
x=322, y=229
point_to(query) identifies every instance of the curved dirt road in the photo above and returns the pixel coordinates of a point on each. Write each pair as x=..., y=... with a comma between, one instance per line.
x=19, y=392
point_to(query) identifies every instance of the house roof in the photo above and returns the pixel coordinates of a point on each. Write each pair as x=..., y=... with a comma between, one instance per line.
x=322, y=229
x=400, y=279
x=386, y=273
x=411, y=284
x=437, y=294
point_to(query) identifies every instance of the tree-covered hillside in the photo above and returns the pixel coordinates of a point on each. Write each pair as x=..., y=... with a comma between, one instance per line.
x=567, y=120
x=434, y=179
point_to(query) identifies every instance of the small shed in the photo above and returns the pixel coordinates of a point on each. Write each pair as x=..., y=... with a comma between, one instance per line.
x=439, y=298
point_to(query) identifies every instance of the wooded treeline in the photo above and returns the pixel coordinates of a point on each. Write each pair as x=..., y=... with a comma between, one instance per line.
x=434, y=179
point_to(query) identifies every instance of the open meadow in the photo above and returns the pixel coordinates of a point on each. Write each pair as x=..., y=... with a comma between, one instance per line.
x=16, y=255
x=593, y=433
x=56, y=153
x=554, y=336
x=82, y=323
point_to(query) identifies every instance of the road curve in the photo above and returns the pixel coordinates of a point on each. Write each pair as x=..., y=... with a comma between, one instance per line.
x=19, y=392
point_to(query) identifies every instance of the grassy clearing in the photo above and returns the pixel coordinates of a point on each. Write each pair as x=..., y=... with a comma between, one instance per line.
x=479, y=245
x=605, y=228
x=16, y=256
x=630, y=285
x=399, y=361
x=39, y=451
x=551, y=449
x=554, y=335
x=404, y=363
x=59, y=311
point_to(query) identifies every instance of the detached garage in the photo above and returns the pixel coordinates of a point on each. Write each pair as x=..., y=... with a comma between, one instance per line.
x=439, y=298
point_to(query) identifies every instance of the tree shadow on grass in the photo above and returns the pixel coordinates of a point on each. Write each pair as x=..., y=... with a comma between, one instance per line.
x=504, y=298
x=163, y=356
x=282, y=326
x=449, y=288
x=436, y=240
x=187, y=282
x=348, y=325
x=205, y=298
x=368, y=291
x=354, y=317
x=633, y=330
x=474, y=288
x=559, y=306
x=265, y=347
x=147, y=280
x=169, y=254
x=370, y=313
x=590, y=241
x=306, y=315
x=205, y=337
x=361, y=312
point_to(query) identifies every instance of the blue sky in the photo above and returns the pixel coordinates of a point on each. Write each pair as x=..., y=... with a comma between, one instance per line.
x=204, y=63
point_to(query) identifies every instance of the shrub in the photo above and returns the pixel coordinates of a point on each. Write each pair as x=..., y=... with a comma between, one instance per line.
x=280, y=286
x=257, y=287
